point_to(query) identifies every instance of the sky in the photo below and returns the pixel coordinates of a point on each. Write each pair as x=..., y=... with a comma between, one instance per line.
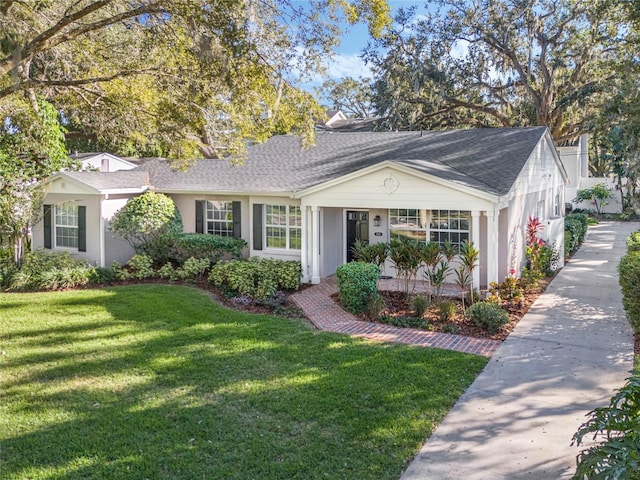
x=346, y=61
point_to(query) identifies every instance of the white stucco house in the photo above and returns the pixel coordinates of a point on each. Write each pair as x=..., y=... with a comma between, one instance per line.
x=311, y=204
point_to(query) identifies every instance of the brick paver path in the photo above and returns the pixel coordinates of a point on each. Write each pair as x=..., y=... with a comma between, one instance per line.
x=322, y=311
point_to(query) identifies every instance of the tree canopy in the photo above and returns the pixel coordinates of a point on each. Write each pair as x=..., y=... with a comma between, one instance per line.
x=183, y=78
x=500, y=63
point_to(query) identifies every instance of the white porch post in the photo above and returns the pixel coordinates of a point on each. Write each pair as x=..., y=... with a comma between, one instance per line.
x=304, y=244
x=492, y=246
x=475, y=239
x=315, y=244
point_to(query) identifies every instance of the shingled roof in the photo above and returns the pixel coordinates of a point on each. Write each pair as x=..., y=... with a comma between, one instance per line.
x=107, y=181
x=485, y=159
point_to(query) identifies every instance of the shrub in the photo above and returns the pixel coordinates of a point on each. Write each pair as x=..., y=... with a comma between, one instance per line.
x=598, y=195
x=258, y=278
x=420, y=305
x=140, y=266
x=446, y=310
x=375, y=307
x=618, y=427
x=629, y=277
x=202, y=245
x=119, y=273
x=488, y=315
x=50, y=271
x=357, y=285
x=633, y=242
x=148, y=223
x=509, y=289
x=101, y=275
x=7, y=269
x=451, y=328
x=193, y=269
x=167, y=272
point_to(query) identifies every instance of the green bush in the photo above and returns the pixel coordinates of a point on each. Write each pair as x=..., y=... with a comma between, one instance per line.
x=102, y=275
x=7, y=268
x=50, y=271
x=629, y=277
x=258, y=278
x=193, y=269
x=140, y=266
x=202, y=245
x=148, y=222
x=633, y=242
x=488, y=315
x=420, y=305
x=617, y=455
x=446, y=310
x=357, y=285
x=167, y=272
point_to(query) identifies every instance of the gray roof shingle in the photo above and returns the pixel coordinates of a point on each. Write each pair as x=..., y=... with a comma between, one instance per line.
x=485, y=159
x=122, y=179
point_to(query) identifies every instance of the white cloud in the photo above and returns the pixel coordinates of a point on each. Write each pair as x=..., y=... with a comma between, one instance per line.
x=347, y=65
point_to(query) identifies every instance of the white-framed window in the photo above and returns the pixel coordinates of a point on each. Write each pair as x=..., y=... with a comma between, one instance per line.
x=450, y=226
x=219, y=218
x=66, y=226
x=408, y=223
x=556, y=205
x=283, y=227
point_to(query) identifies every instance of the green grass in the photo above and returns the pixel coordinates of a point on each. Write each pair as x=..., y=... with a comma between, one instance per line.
x=158, y=382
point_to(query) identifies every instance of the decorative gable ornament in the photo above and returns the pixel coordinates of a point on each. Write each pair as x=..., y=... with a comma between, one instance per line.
x=390, y=184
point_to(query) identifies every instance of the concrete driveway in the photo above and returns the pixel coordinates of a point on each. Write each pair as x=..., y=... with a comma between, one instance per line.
x=566, y=356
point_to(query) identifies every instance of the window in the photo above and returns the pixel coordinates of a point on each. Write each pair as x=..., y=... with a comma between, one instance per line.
x=408, y=223
x=66, y=226
x=219, y=218
x=449, y=225
x=283, y=225
x=556, y=206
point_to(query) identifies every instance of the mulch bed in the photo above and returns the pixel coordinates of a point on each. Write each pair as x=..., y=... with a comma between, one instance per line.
x=398, y=308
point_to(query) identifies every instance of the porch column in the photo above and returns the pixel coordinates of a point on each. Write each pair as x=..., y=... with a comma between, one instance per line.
x=475, y=239
x=304, y=244
x=315, y=244
x=492, y=246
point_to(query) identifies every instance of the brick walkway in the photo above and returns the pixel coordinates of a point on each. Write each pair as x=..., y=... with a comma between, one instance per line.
x=322, y=311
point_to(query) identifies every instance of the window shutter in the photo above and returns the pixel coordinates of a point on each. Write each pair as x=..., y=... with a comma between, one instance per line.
x=47, y=226
x=199, y=216
x=257, y=226
x=237, y=223
x=82, y=229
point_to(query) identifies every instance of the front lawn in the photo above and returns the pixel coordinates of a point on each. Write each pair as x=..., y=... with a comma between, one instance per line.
x=157, y=381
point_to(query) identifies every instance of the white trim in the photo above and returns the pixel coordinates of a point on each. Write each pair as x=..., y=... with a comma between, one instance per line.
x=315, y=244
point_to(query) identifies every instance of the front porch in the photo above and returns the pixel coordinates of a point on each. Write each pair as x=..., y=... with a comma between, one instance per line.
x=329, y=232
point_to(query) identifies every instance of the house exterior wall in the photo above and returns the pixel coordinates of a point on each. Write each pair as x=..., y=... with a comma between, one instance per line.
x=332, y=243
x=92, y=203
x=275, y=253
x=369, y=192
x=116, y=249
x=538, y=192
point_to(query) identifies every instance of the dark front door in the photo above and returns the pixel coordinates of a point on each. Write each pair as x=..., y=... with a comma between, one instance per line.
x=357, y=229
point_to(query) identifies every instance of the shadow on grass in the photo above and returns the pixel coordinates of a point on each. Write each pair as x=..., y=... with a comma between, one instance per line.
x=170, y=385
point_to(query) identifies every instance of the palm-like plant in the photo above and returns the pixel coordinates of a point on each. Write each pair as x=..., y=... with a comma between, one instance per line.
x=469, y=257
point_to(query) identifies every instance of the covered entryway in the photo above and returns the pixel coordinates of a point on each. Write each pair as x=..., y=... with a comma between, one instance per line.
x=357, y=229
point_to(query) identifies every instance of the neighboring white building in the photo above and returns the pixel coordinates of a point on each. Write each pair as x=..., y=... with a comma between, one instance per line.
x=575, y=158
x=311, y=204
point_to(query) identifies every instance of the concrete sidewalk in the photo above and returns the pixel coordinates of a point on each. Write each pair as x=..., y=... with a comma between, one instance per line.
x=565, y=357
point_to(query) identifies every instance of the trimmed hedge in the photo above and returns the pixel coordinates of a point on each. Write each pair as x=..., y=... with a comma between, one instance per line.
x=575, y=227
x=629, y=277
x=357, y=285
x=258, y=278
x=203, y=245
x=633, y=242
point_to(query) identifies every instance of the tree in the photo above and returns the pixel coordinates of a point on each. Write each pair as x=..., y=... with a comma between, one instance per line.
x=146, y=221
x=31, y=149
x=499, y=63
x=352, y=97
x=598, y=194
x=181, y=79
